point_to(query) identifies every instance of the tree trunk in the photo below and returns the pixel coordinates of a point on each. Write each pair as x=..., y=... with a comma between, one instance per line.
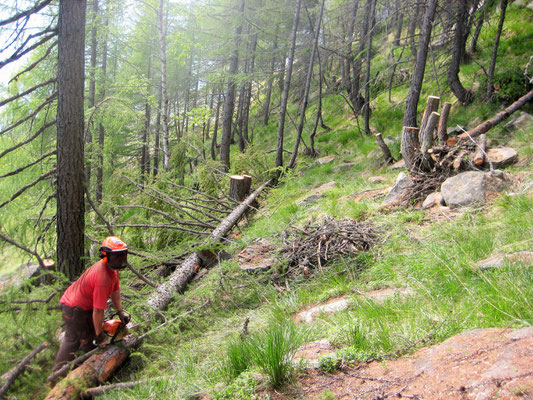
x=164, y=95
x=367, y=72
x=70, y=140
x=271, y=77
x=157, y=135
x=490, y=88
x=239, y=187
x=305, y=98
x=432, y=105
x=457, y=54
x=184, y=273
x=384, y=149
x=145, y=156
x=92, y=92
x=355, y=95
x=101, y=133
x=479, y=156
x=215, y=128
x=248, y=93
x=443, y=123
x=347, y=75
x=410, y=146
x=411, y=30
x=409, y=118
x=286, y=87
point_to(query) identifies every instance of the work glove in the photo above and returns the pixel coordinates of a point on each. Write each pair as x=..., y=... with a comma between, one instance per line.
x=99, y=341
x=124, y=317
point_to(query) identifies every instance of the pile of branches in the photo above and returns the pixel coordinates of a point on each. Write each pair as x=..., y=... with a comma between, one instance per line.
x=423, y=185
x=313, y=246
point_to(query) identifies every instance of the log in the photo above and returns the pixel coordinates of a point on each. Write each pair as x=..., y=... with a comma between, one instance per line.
x=96, y=370
x=443, y=123
x=479, y=155
x=410, y=145
x=502, y=115
x=458, y=161
x=427, y=135
x=451, y=141
x=432, y=105
x=162, y=297
x=239, y=187
x=10, y=376
x=385, y=149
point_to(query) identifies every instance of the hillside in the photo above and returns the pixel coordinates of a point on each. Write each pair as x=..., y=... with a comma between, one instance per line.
x=326, y=288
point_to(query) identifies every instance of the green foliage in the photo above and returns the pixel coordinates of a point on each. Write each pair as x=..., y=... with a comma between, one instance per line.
x=510, y=84
x=242, y=388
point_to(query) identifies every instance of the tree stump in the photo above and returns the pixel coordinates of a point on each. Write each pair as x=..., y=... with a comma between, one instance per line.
x=385, y=149
x=239, y=187
x=443, y=123
x=410, y=145
x=431, y=106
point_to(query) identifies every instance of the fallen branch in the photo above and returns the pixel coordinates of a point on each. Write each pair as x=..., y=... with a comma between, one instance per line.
x=10, y=376
x=489, y=124
x=184, y=273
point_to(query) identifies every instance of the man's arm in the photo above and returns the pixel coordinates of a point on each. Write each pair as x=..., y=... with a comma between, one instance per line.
x=115, y=299
x=98, y=320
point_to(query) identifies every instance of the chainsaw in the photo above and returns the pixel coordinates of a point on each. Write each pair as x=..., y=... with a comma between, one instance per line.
x=114, y=329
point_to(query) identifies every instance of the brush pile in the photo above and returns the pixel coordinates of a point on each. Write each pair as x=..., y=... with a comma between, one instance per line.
x=314, y=245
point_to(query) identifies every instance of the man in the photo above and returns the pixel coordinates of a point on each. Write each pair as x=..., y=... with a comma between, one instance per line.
x=84, y=302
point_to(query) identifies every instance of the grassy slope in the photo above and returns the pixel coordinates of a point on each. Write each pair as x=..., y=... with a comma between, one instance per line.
x=434, y=258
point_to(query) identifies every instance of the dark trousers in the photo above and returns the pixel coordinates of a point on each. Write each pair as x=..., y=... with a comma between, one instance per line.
x=79, y=334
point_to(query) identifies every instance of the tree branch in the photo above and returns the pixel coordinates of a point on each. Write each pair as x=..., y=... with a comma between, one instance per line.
x=29, y=185
x=36, y=135
x=38, y=7
x=33, y=114
x=50, y=153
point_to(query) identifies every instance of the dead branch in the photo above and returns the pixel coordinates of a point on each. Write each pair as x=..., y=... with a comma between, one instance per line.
x=46, y=301
x=26, y=92
x=33, y=253
x=10, y=376
x=141, y=276
x=32, y=115
x=50, y=153
x=97, y=211
x=100, y=390
x=29, y=185
x=502, y=115
x=36, y=135
x=35, y=63
x=158, y=226
x=181, y=222
x=15, y=56
x=38, y=7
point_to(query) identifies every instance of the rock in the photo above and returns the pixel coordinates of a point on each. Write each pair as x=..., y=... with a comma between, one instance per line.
x=381, y=295
x=470, y=188
x=256, y=256
x=325, y=186
x=376, y=179
x=344, y=166
x=500, y=260
x=332, y=306
x=325, y=160
x=432, y=200
x=398, y=165
x=502, y=156
x=520, y=122
x=317, y=193
x=403, y=182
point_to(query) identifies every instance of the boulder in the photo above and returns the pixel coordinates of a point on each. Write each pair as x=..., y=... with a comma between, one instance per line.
x=500, y=260
x=325, y=186
x=502, y=156
x=310, y=352
x=310, y=199
x=398, y=165
x=344, y=166
x=433, y=199
x=470, y=188
x=325, y=160
x=376, y=179
x=520, y=122
x=333, y=306
x=403, y=182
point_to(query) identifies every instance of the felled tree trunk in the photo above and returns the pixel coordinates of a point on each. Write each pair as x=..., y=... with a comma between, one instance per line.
x=184, y=273
x=97, y=369
x=479, y=156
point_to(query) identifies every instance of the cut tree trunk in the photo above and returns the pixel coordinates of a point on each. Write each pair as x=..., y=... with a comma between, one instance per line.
x=485, y=126
x=458, y=161
x=479, y=156
x=239, y=186
x=443, y=123
x=410, y=145
x=97, y=369
x=426, y=136
x=432, y=105
x=184, y=273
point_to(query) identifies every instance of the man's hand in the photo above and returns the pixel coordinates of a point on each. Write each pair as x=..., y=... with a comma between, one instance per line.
x=124, y=317
x=100, y=340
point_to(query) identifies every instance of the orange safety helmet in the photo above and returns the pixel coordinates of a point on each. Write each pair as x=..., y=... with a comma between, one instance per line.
x=112, y=244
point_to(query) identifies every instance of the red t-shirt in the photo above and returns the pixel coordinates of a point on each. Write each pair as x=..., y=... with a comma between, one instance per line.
x=93, y=288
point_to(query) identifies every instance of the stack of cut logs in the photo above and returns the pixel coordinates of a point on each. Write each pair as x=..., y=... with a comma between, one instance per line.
x=429, y=149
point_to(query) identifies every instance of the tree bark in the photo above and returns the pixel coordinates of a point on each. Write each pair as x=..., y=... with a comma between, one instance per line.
x=457, y=54
x=157, y=141
x=490, y=88
x=443, y=123
x=271, y=77
x=215, y=128
x=410, y=146
x=229, y=101
x=184, y=273
x=92, y=90
x=164, y=95
x=409, y=118
x=145, y=155
x=239, y=187
x=479, y=155
x=432, y=105
x=286, y=87
x=369, y=36
x=70, y=140
x=384, y=149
